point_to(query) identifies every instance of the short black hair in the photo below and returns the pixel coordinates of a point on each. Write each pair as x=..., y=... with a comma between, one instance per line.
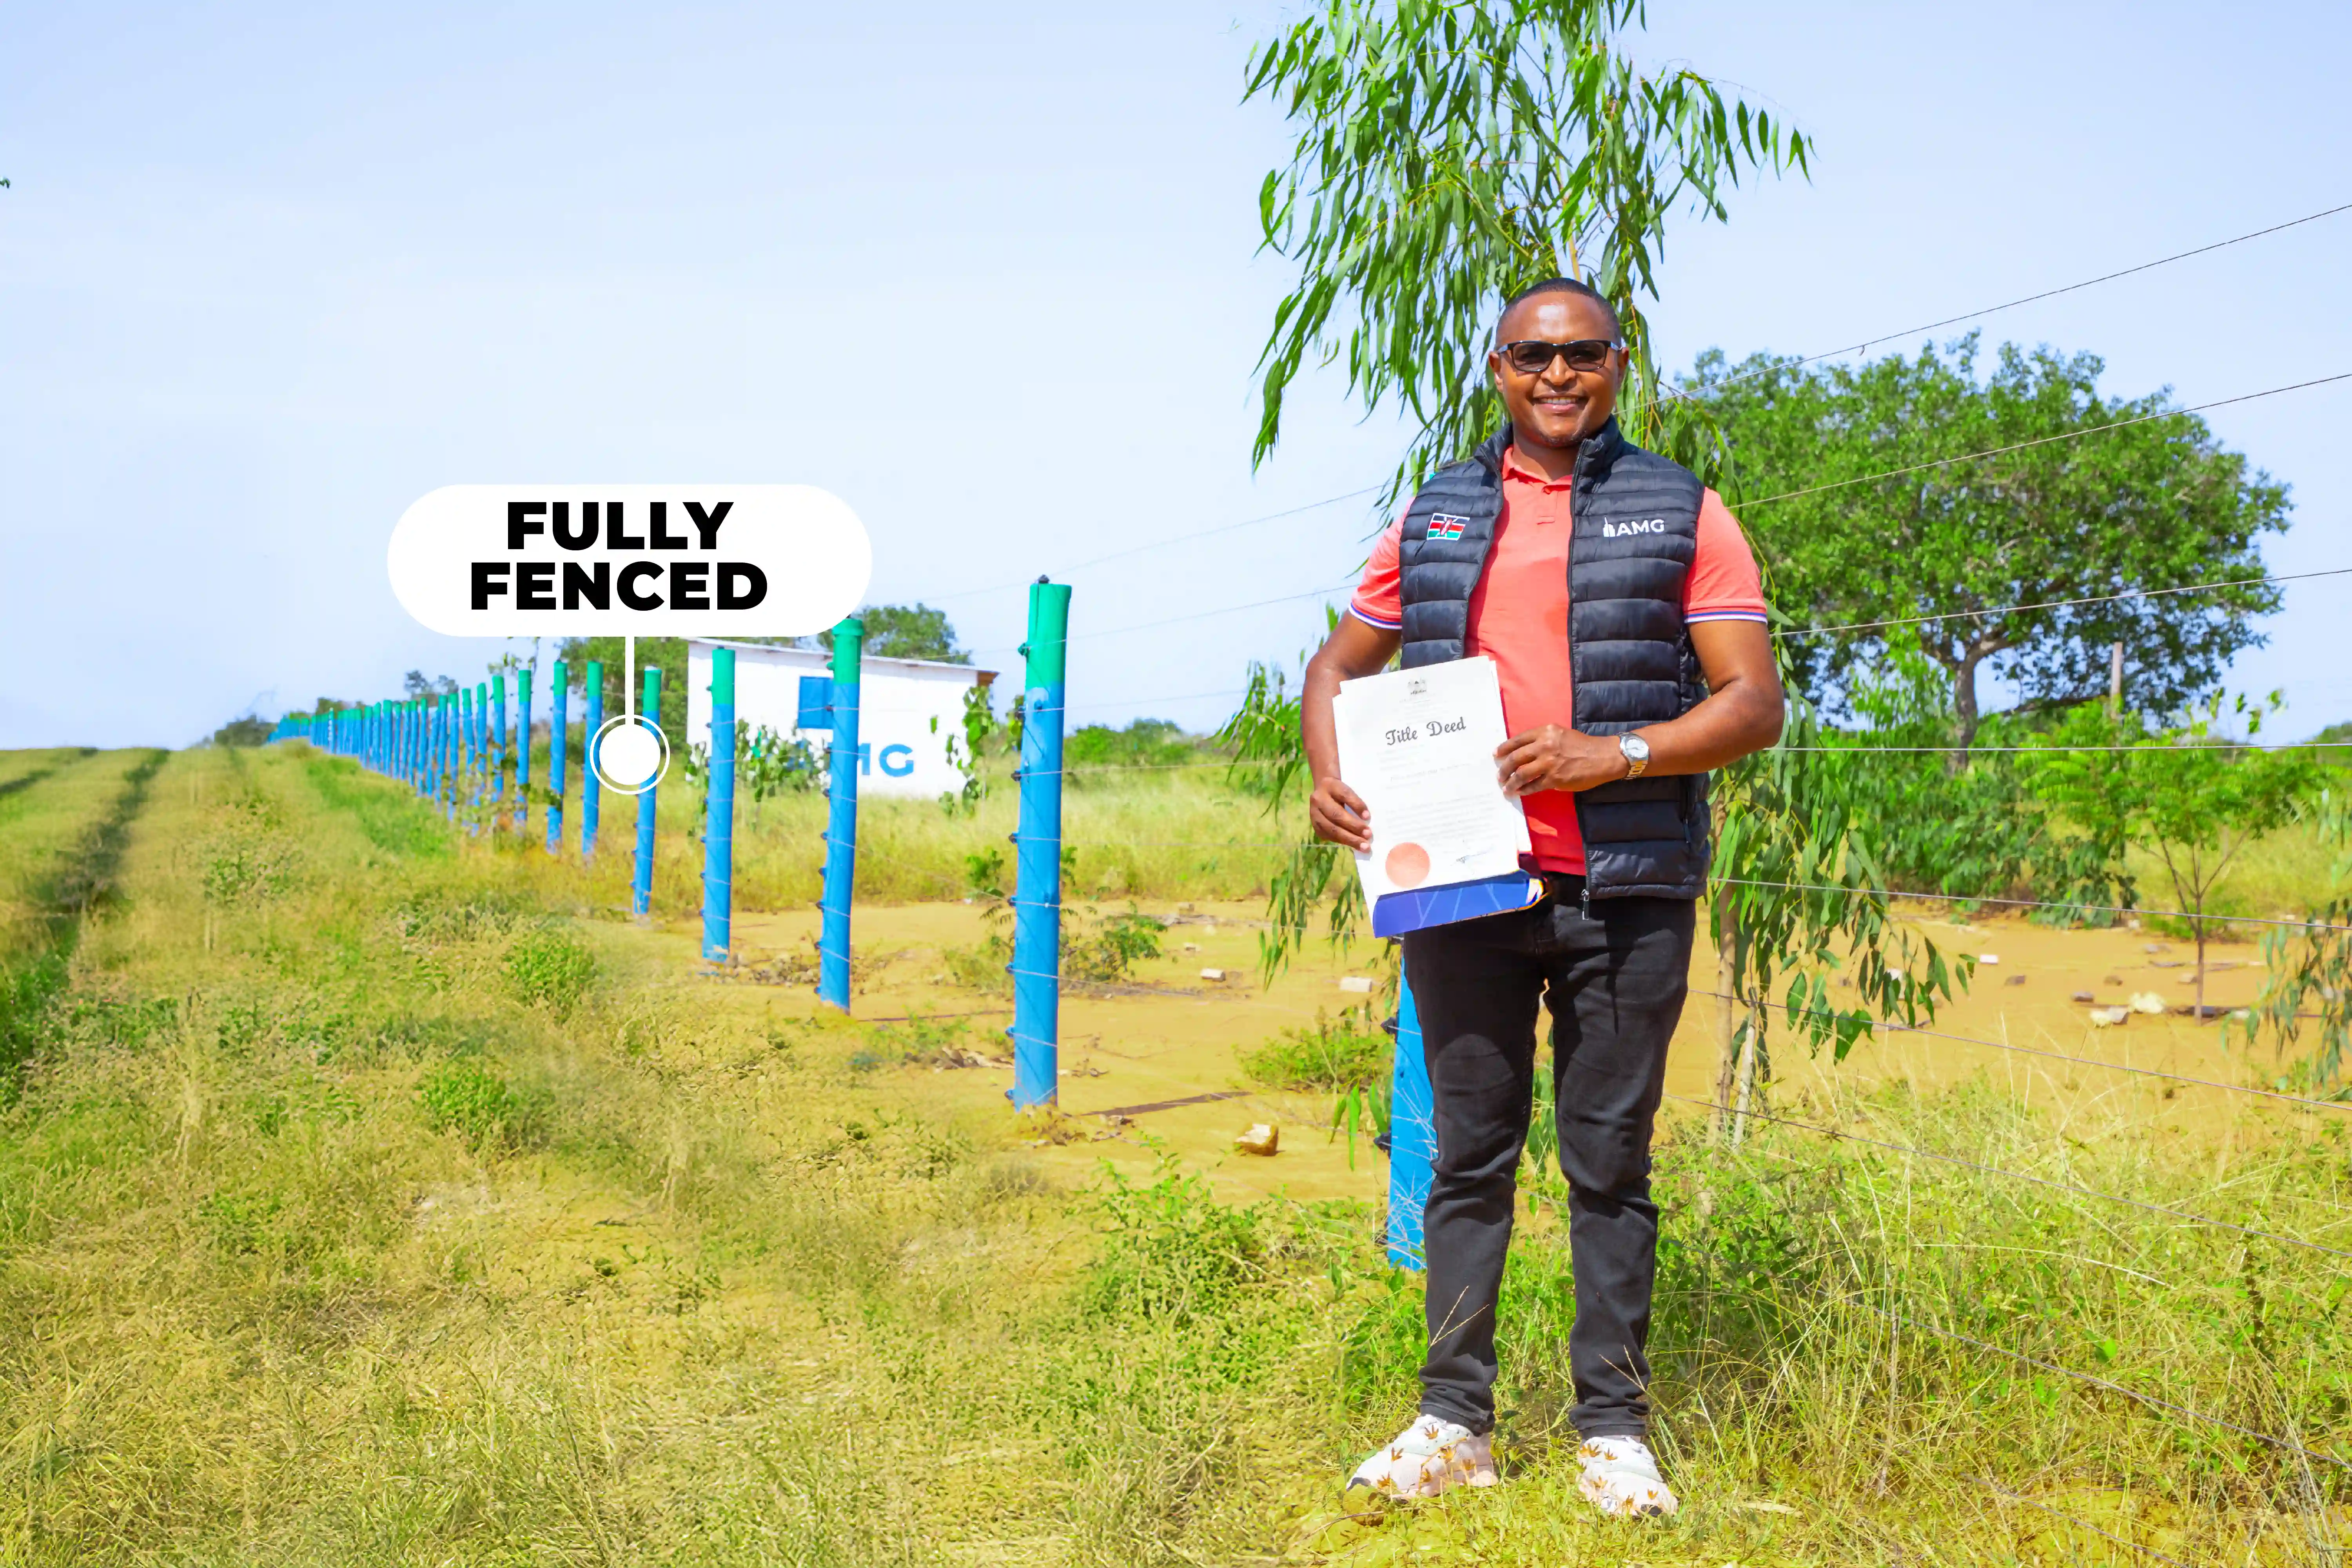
x=1564, y=286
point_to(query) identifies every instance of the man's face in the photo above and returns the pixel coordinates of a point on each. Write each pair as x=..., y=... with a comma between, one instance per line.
x=1557, y=405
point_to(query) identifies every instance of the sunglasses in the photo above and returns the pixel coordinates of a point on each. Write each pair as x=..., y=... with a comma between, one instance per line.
x=1532, y=356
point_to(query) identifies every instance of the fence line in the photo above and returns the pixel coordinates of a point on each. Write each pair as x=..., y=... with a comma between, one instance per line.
x=1891, y=1027
x=1809, y=359
x=2065, y=604
x=2047, y=293
x=1194, y=615
x=2029, y=903
x=1832, y=1132
x=1174, y=539
x=2045, y=440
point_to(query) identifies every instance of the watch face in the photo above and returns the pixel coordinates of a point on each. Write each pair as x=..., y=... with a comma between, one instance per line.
x=1635, y=747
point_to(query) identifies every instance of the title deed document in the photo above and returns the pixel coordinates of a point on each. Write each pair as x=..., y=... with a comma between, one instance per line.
x=1419, y=746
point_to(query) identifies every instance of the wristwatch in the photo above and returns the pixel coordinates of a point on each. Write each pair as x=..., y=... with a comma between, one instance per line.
x=1637, y=754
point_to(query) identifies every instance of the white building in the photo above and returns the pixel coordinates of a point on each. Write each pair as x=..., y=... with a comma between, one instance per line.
x=906, y=710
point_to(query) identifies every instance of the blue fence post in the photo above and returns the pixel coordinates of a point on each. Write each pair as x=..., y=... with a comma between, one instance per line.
x=841, y=819
x=1413, y=1135
x=431, y=779
x=522, y=749
x=592, y=792
x=559, y=718
x=641, y=903
x=1037, y=883
x=718, y=823
x=498, y=746
x=460, y=796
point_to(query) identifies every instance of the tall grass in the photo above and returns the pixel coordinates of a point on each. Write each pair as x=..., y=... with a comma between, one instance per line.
x=389, y=1228
x=1165, y=833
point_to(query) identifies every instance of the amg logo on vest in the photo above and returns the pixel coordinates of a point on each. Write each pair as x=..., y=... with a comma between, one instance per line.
x=1624, y=530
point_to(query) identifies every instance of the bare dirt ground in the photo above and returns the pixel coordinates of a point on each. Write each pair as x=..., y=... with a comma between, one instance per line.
x=1128, y=1056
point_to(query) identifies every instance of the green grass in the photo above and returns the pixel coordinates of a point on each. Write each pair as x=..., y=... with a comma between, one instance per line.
x=354, y=1220
x=1157, y=832
x=1350, y=1051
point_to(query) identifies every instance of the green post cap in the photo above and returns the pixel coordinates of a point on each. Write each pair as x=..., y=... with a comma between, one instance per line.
x=1049, y=633
x=849, y=650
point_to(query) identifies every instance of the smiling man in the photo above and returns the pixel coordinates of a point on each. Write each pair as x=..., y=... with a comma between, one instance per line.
x=1621, y=608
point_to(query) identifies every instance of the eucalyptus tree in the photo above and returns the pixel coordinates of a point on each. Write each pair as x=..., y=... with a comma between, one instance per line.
x=1448, y=153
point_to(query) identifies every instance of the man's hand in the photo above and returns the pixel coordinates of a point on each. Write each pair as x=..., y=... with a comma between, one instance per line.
x=1337, y=812
x=1339, y=816
x=1557, y=758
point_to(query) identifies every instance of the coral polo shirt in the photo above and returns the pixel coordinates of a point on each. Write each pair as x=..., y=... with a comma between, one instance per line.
x=1519, y=618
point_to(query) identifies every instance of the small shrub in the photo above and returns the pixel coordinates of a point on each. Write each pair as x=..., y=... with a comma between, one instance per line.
x=1172, y=1251
x=984, y=874
x=1095, y=950
x=1347, y=1052
x=981, y=967
x=1111, y=950
x=548, y=968
x=469, y=1100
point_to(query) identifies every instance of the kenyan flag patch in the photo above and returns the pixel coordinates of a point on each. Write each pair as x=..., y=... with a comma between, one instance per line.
x=1443, y=525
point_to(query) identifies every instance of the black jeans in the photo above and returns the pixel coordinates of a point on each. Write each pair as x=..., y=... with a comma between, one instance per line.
x=1615, y=980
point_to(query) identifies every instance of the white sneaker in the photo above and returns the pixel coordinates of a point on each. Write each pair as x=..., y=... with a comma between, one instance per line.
x=1426, y=1459
x=1620, y=1478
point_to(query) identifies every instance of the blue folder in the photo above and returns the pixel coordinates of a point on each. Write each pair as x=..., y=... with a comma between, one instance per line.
x=1393, y=915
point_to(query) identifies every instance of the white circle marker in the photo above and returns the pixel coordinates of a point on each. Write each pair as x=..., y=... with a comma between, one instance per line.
x=629, y=754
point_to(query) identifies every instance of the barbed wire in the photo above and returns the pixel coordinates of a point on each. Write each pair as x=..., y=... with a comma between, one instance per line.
x=1749, y=505
x=1876, y=1025
x=1139, y=702
x=1172, y=540
x=2031, y=299
x=2064, y=604
x=2032, y=904
x=1194, y=615
x=1175, y=540
x=1983, y=1169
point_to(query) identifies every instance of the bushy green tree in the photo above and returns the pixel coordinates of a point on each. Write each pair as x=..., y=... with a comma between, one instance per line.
x=248, y=731
x=1964, y=825
x=2152, y=505
x=906, y=631
x=2192, y=793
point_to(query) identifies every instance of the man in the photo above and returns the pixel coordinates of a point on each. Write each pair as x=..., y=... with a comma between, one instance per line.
x=1621, y=608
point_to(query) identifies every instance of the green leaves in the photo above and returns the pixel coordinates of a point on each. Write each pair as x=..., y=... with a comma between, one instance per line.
x=1451, y=153
x=1791, y=898
x=2156, y=505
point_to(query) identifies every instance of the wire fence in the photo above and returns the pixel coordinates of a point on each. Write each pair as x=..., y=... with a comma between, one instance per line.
x=1883, y=1027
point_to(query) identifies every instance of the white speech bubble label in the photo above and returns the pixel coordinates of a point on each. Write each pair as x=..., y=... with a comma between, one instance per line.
x=629, y=754
x=713, y=561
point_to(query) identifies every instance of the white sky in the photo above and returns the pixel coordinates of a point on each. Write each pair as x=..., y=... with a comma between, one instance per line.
x=272, y=273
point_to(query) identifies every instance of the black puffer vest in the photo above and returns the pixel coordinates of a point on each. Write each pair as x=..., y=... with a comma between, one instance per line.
x=1630, y=653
